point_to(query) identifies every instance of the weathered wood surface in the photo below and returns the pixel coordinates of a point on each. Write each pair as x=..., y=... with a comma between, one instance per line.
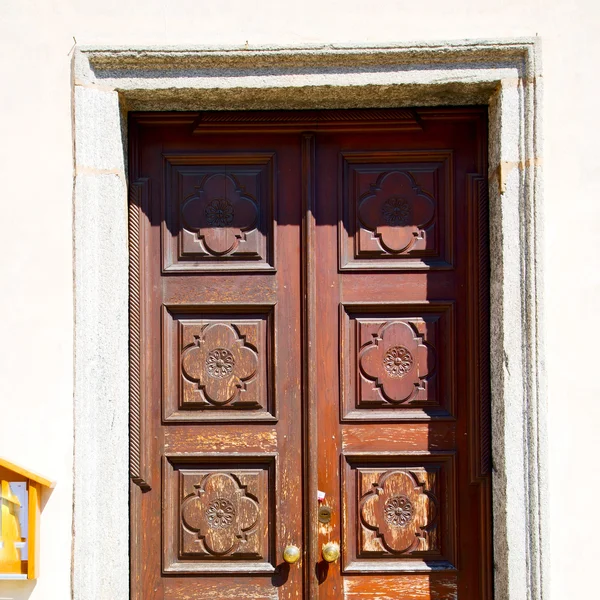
x=312, y=316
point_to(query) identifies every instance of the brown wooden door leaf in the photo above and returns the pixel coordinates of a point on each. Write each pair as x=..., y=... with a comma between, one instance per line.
x=311, y=292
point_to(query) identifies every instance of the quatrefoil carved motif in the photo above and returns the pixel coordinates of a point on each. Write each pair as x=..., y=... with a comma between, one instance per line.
x=220, y=514
x=397, y=361
x=220, y=213
x=396, y=211
x=400, y=511
x=220, y=363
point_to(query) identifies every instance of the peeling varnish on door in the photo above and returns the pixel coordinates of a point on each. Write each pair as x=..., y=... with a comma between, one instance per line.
x=416, y=437
x=389, y=588
x=215, y=441
x=224, y=592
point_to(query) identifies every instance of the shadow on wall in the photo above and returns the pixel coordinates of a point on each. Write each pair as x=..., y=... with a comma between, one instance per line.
x=17, y=590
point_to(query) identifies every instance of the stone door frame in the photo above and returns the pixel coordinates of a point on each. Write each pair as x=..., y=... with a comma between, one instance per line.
x=110, y=81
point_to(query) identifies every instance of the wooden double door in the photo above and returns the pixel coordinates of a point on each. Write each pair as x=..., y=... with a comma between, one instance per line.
x=310, y=331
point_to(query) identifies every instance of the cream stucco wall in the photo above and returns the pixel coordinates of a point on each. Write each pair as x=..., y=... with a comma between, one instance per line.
x=36, y=299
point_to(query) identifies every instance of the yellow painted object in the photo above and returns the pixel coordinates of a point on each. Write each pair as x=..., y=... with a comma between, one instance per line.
x=10, y=531
x=20, y=492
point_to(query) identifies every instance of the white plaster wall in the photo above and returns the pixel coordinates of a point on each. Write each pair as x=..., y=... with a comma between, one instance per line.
x=36, y=293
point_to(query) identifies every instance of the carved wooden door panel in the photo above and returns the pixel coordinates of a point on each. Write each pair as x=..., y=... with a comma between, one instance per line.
x=401, y=334
x=308, y=314
x=220, y=361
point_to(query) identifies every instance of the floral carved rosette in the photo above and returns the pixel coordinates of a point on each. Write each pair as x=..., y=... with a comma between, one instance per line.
x=220, y=363
x=220, y=213
x=219, y=516
x=399, y=512
x=397, y=362
x=396, y=211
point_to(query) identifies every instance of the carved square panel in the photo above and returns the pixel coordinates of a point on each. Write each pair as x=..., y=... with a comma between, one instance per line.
x=396, y=210
x=219, y=514
x=397, y=361
x=400, y=513
x=219, y=213
x=218, y=365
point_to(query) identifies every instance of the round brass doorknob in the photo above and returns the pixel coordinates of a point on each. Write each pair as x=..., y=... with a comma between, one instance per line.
x=331, y=551
x=291, y=554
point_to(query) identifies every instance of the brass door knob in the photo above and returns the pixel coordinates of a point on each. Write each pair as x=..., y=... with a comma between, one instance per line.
x=331, y=551
x=291, y=554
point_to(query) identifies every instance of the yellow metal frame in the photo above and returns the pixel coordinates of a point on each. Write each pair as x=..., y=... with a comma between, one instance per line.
x=11, y=472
